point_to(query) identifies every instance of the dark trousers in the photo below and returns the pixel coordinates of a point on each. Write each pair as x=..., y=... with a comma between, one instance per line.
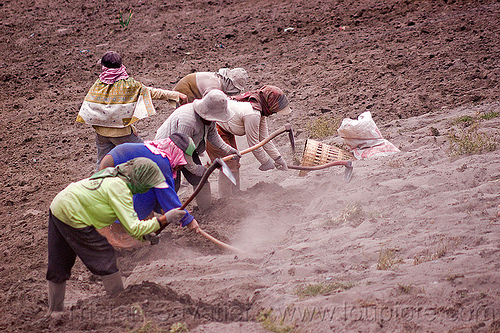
x=191, y=178
x=66, y=242
x=104, y=144
x=214, y=152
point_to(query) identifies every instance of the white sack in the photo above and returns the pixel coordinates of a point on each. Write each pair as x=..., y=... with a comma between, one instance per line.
x=364, y=137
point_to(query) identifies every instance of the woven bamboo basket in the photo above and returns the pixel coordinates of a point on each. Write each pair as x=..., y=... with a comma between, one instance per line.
x=317, y=153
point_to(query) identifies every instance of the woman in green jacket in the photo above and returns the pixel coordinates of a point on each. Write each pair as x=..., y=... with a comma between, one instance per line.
x=93, y=203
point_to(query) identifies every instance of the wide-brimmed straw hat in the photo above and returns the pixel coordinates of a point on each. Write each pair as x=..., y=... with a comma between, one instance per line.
x=213, y=107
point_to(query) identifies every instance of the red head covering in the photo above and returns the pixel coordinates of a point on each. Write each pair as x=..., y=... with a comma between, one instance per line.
x=268, y=99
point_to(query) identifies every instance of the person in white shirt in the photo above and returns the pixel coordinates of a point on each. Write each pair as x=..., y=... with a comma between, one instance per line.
x=251, y=110
x=198, y=120
x=196, y=85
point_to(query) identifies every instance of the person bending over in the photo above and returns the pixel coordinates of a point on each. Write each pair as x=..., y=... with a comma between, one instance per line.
x=251, y=111
x=229, y=81
x=197, y=120
x=170, y=154
x=96, y=202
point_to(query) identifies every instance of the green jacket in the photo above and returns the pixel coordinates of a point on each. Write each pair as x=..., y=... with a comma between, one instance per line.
x=99, y=203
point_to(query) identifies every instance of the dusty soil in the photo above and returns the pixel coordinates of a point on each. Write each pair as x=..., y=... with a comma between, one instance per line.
x=416, y=65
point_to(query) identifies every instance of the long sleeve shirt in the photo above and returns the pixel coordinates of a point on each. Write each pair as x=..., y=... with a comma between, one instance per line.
x=186, y=121
x=196, y=85
x=99, y=203
x=206, y=81
x=145, y=203
x=248, y=121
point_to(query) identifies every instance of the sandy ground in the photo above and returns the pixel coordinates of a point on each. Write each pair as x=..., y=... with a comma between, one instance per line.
x=410, y=244
x=439, y=217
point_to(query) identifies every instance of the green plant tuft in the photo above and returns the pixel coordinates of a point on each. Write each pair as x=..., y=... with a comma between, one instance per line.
x=490, y=115
x=405, y=288
x=454, y=277
x=431, y=254
x=464, y=121
x=387, y=259
x=352, y=214
x=125, y=22
x=469, y=141
x=409, y=289
x=271, y=323
x=312, y=290
x=179, y=328
x=147, y=325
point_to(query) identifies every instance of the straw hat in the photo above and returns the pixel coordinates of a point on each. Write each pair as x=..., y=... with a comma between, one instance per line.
x=213, y=107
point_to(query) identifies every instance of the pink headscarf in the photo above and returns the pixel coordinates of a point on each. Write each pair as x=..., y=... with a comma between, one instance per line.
x=111, y=75
x=166, y=148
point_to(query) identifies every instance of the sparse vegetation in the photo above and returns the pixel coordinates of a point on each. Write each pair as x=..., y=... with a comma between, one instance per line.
x=125, y=22
x=489, y=115
x=271, y=323
x=464, y=121
x=395, y=163
x=431, y=254
x=453, y=277
x=147, y=326
x=409, y=289
x=179, y=328
x=404, y=289
x=434, y=131
x=352, y=214
x=312, y=290
x=387, y=259
x=323, y=127
x=469, y=141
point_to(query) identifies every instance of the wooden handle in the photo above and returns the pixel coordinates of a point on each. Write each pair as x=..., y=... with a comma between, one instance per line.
x=202, y=182
x=347, y=164
x=218, y=242
x=260, y=144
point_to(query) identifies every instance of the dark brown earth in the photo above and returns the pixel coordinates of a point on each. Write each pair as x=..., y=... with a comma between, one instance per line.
x=397, y=59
